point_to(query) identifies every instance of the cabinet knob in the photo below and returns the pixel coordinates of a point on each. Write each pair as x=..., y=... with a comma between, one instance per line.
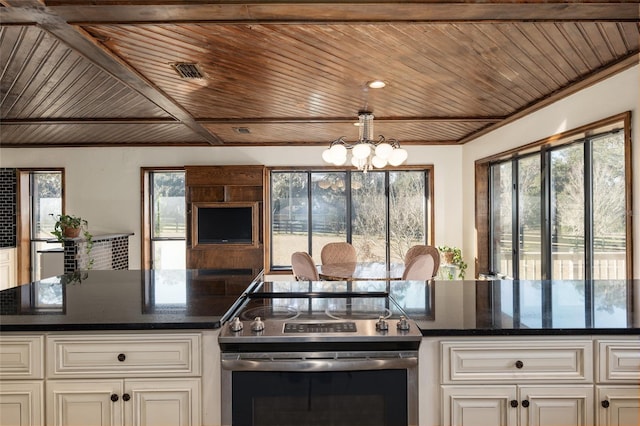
x=114, y=397
x=126, y=397
x=519, y=364
x=122, y=357
x=525, y=403
x=514, y=403
x=605, y=404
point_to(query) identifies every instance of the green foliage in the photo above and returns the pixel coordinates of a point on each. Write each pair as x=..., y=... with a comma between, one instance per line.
x=457, y=260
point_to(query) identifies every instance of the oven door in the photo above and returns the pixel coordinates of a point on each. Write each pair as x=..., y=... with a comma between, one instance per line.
x=320, y=388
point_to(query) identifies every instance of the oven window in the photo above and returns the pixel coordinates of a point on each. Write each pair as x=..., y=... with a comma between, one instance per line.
x=336, y=398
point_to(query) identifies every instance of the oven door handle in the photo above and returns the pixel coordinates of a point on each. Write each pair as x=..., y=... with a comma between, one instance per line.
x=322, y=364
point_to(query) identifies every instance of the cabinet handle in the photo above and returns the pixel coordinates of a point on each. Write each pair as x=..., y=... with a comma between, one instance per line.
x=126, y=397
x=122, y=357
x=605, y=404
x=525, y=403
x=514, y=403
x=519, y=364
x=114, y=397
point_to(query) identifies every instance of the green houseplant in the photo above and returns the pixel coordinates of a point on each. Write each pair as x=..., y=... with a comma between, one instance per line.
x=453, y=256
x=69, y=226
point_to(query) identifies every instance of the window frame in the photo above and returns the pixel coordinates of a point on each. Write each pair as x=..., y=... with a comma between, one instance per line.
x=429, y=208
x=25, y=261
x=146, y=220
x=544, y=147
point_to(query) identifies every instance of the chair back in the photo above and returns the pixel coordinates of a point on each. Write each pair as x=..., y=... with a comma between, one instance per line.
x=303, y=266
x=424, y=249
x=338, y=253
x=419, y=269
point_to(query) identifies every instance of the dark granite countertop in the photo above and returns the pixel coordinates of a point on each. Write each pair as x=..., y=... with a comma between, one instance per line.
x=508, y=307
x=200, y=299
x=124, y=300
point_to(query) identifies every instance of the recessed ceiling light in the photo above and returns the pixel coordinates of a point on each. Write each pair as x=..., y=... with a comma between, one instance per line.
x=376, y=84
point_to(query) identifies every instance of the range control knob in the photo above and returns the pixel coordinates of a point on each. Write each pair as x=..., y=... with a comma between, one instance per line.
x=257, y=325
x=235, y=325
x=382, y=324
x=403, y=324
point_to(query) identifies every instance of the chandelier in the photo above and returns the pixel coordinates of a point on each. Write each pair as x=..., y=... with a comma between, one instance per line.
x=366, y=153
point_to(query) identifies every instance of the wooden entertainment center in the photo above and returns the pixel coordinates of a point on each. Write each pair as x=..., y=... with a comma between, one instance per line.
x=220, y=186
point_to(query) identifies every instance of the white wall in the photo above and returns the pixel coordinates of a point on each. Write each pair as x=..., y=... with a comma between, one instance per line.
x=103, y=184
x=616, y=95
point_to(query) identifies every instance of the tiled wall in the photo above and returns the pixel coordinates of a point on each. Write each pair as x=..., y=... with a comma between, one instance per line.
x=8, y=210
x=107, y=253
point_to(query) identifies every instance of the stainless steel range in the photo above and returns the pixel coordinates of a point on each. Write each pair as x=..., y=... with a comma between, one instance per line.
x=320, y=353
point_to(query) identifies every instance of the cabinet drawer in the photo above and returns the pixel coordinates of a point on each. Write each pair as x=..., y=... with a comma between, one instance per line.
x=139, y=355
x=517, y=361
x=21, y=357
x=619, y=361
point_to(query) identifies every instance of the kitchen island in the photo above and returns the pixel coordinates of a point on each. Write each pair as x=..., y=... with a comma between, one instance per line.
x=120, y=339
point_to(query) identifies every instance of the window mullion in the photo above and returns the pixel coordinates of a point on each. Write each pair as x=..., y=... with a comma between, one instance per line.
x=309, y=215
x=588, y=206
x=515, y=220
x=547, y=205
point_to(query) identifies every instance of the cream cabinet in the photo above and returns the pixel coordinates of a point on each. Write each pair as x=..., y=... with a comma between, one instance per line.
x=7, y=268
x=21, y=380
x=518, y=405
x=618, y=382
x=124, y=379
x=123, y=402
x=511, y=382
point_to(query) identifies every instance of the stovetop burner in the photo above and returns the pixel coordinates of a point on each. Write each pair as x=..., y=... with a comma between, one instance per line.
x=312, y=316
x=270, y=312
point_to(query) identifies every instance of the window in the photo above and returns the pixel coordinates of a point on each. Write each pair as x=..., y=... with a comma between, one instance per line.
x=559, y=212
x=45, y=188
x=382, y=213
x=164, y=207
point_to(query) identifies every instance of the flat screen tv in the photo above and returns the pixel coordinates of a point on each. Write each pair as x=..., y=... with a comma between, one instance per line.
x=225, y=223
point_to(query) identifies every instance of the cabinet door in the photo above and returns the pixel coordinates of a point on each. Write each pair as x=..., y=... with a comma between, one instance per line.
x=84, y=402
x=21, y=403
x=570, y=405
x=618, y=405
x=162, y=402
x=7, y=268
x=479, y=406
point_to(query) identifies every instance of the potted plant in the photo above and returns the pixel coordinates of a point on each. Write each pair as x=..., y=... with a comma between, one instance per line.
x=68, y=226
x=453, y=256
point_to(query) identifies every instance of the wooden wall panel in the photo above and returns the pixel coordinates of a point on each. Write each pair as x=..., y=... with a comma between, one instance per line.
x=243, y=193
x=224, y=175
x=213, y=194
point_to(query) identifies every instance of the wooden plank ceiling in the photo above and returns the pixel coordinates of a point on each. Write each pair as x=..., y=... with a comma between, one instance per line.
x=101, y=73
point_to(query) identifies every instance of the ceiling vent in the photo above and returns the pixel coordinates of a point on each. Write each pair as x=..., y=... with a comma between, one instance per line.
x=188, y=70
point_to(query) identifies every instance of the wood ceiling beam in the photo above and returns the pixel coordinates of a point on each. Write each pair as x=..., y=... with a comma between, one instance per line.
x=321, y=12
x=237, y=121
x=307, y=120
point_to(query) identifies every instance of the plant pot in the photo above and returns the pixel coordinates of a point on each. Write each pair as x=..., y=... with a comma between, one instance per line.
x=447, y=257
x=71, y=232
